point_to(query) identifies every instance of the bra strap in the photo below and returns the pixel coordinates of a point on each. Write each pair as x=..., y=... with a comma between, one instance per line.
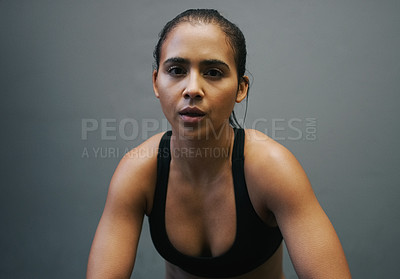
x=238, y=144
x=163, y=161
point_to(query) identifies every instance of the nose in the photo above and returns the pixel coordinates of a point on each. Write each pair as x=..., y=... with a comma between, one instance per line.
x=193, y=88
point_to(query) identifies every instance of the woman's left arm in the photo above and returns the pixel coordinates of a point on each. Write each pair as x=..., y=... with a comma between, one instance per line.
x=312, y=242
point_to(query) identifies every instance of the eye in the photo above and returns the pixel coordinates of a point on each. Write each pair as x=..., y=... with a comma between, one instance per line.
x=215, y=73
x=176, y=71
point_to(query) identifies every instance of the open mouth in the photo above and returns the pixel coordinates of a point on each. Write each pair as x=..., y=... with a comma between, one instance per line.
x=191, y=114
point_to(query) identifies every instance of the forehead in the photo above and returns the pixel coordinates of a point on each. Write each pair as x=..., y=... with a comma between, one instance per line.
x=197, y=42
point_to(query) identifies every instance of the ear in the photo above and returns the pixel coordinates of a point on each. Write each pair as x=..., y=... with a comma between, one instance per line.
x=155, y=88
x=243, y=88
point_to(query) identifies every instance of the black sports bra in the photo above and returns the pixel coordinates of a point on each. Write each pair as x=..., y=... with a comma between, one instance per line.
x=255, y=241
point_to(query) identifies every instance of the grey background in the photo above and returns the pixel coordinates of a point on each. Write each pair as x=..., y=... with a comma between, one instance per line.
x=62, y=62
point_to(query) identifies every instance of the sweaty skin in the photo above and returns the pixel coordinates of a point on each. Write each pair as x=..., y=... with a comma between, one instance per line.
x=197, y=69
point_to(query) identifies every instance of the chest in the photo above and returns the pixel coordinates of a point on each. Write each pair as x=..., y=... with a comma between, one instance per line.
x=200, y=220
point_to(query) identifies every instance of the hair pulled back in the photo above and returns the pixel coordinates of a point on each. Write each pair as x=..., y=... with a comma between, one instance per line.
x=234, y=36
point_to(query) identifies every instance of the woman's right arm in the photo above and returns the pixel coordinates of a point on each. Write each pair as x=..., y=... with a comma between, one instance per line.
x=115, y=243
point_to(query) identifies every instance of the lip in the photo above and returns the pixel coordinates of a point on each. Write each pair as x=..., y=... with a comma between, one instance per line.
x=191, y=114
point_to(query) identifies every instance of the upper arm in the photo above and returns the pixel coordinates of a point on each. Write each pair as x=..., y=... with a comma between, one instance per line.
x=313, y=245
x=115, y=243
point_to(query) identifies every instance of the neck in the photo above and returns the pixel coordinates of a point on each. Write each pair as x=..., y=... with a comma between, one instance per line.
x=201, y=158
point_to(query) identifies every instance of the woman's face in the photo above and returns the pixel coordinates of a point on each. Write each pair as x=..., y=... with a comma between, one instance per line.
x=197, y=80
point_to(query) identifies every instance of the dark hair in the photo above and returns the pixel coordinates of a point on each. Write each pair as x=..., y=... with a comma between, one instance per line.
x=232, y=32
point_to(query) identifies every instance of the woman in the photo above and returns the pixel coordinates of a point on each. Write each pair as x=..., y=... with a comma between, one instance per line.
x=219, y=199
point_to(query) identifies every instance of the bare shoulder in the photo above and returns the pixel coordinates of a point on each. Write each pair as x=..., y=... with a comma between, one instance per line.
x=129, y=198
x=272, y=170
x=134, y=179
x=140, y=158
x=278, y=184
x=261, y=149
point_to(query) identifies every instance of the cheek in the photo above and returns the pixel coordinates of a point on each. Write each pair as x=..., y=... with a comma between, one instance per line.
x=229, y=97
x=224, y=103
x=168, y=102
x=168, y=85
x=165, y=101
x=165, y=90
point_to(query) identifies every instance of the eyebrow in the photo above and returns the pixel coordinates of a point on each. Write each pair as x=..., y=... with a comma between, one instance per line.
x=207, y=62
